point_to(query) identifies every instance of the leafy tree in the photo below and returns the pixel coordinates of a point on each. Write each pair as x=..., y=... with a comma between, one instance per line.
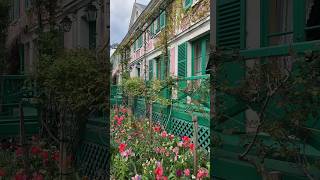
x=72, y=86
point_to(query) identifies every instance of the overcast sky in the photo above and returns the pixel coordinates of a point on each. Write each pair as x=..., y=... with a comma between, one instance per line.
x=120, y=18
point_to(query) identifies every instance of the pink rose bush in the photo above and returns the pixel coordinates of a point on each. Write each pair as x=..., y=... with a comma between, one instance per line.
x=142, y=151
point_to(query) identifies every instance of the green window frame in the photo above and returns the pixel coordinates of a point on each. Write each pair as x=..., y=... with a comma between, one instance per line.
x=152, y=29
x=27, y=4
x=151, y=69
x=157, y=25
x=158, y=68
x=203, y=43
x=187, y=4
x=140, y=41
x=16, y=10
x=163, y=19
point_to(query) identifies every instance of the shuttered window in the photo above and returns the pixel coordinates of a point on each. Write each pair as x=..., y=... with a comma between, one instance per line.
x=162, y=68
x=182, y=60
x=27, y=4
x=16, y=9
x=187, y=4
x=158, y=68
x=152, y=29
x=140, y=42
x=157, y=25
x=231, y=24
x=150, y=69
x=163, y=19
x=182, y=68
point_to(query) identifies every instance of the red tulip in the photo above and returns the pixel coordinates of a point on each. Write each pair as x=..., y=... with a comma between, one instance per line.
x=159, y=171
x=122, y=147
x=185, y=139
x=191, y=146
x=157, y=129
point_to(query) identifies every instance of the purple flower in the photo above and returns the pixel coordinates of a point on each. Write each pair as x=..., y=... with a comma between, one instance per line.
x=136, y=177
x=179, y=173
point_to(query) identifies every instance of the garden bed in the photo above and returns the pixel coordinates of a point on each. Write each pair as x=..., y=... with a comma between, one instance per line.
x=144, y=150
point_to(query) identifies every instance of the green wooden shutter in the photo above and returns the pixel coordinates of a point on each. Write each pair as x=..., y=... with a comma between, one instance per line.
x=182, y=68
x=157, y=24
x=162, y=68
x=16, y=9
x=152, y=29
x=182, y=60
x=141, y=41
x=162, y=19
x=203, y=56
x=187, y=4
x=231, y=24
x=150, y=69
x=134, y=46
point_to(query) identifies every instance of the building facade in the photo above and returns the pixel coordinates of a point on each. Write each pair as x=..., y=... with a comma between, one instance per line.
x=86, y=21
x=261, y=32
x=187, y=25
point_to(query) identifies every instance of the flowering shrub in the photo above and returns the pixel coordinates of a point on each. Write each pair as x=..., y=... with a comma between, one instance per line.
x=37, y=162
x=139, y=153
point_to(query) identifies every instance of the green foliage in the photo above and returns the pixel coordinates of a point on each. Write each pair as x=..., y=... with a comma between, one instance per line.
x=134, y=87
x=39, y=158
x=74, y=79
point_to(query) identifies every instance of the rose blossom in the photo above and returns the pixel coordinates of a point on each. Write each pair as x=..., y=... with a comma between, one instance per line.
x=157, y=129
x=171, y=136
x=202, y=173
x=164, y=134
x=186, y=172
